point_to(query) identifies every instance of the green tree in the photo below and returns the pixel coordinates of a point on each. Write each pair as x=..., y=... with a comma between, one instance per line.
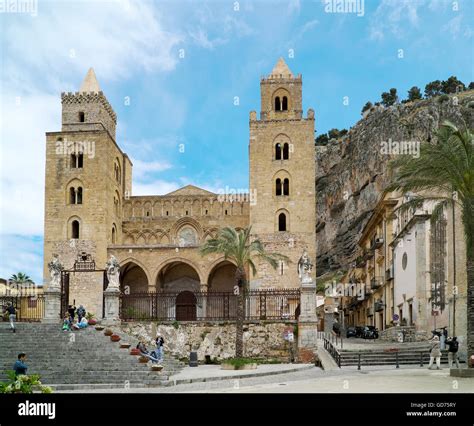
x=445, y=167
x=322, y=139
x=433, y=88
x=21, y=278
x=389, y=98
x=366, y=107
x=471, y=85
x=453, y=85
x=414, y=94
x=237, y=247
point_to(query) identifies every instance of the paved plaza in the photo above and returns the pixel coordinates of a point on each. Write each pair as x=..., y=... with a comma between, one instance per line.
x=313, y=380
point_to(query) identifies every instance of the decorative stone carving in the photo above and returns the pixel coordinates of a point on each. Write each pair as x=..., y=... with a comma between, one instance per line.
x=55, y=269
x=113, y=270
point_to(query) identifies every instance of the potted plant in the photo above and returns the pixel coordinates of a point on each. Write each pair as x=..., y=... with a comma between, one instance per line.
x=90, y=318
x=143, y=359
x=99, y=327
x=108, y=332
x=124, y=345
x=134, y=351
x=115, y=338
x=156, y=367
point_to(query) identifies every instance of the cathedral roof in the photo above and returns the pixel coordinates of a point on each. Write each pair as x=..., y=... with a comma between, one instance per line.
x=281, y=70
x=190, y=190
x=90, y=83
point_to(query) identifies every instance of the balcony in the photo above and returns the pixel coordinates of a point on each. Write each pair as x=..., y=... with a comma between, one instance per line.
x=379, y=306
x=376, y=243
x=376, y=282
x=370, y=312
x=389, y=273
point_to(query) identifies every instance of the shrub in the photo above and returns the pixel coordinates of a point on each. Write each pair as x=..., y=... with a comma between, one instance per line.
x=23, y=384
x=443, y=98
x=175, y=324
x=239, y=362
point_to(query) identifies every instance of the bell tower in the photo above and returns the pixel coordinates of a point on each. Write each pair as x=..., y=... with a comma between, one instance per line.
x=87, y=177
x=282, y=176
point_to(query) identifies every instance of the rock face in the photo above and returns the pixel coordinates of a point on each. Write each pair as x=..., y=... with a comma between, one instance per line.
x=352, y=171
x=215, y=340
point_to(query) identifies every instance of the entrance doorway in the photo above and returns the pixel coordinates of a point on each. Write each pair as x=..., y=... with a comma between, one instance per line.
x=186, y=306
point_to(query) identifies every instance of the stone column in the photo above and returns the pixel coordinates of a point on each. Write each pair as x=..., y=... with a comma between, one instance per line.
x=112, y=304
x=52, y=308
x=307, y=321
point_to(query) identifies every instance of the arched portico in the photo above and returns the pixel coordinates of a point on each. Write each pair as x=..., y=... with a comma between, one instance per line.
x=178, y=274
x=133, y=276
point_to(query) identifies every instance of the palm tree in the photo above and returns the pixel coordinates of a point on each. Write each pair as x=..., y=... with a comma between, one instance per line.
x=237, y=247
x=21, y=278
x=445, y=168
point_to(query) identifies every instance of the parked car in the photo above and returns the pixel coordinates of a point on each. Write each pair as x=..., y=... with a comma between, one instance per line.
x=359, y=331
x=351, y=332
x=370, y=332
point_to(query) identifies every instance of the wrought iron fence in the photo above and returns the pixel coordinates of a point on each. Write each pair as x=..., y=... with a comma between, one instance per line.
x=28, y=308
x=274, y=305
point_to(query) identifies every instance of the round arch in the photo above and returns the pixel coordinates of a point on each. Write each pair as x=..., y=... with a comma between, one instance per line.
x=134, y=275
x=221, y=275
x=169, y=272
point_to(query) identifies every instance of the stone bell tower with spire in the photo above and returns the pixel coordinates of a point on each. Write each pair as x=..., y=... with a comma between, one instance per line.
x=282, y=177
x=87, y=178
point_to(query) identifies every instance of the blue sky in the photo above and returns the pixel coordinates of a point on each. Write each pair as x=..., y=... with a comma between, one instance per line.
x=183, y=65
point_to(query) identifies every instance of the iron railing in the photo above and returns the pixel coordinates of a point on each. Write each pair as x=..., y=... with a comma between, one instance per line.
x=332, y=350
x=273, y=305
x=28, y=308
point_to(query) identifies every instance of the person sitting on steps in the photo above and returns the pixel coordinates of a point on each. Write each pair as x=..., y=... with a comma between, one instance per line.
x=145, y=352
x=20, y=367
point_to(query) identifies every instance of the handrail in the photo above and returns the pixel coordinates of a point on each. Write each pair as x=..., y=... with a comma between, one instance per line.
x=332, y=350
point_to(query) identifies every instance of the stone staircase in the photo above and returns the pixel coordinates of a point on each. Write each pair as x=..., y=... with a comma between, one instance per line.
x=412, y=354
x=83, y=359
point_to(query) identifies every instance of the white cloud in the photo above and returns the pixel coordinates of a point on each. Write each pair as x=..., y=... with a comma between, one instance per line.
x=21, y=254
x=143, y=168
x=157, y=187
x=201, y=38
x=394, y=17
x=68, y=37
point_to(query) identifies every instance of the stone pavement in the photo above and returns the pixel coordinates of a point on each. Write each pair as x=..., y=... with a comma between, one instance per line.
x=207, y=373
x=315, y=380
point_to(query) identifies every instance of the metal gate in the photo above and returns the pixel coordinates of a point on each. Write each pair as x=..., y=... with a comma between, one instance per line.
x=83, y=263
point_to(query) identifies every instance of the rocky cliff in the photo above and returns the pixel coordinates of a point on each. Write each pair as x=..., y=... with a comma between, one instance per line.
x=352, y=171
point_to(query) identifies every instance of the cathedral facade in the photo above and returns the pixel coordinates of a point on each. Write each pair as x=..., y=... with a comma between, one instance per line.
x=90, y=208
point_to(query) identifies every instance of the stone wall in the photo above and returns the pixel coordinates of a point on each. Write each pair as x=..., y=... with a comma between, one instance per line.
x=411, y=334
x=215, y=339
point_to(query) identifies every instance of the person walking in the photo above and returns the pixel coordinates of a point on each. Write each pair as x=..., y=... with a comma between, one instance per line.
x=435, y=353
x=443, y=338
x=159, y=347
x=11, y=315
x=20, y=367
x=453, y=351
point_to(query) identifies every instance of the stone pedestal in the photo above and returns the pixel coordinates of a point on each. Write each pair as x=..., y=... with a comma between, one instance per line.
x=307, y=322
x=112, y=304
x=52, y=308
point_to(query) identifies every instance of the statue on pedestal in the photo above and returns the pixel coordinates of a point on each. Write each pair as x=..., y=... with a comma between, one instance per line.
x=113, y=272
x=55, y=269
x=304, y=267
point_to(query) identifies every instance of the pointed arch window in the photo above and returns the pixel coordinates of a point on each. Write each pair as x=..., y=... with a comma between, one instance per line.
x=82, y=117
x=278, y=151
x=284, y=104
x=278, y=187
x=286, y=186
x=79, y=195
x=114, y=234
x=72, y=196
x=75, y=229
x=277, y=104
x=282, y=222
x=286, y=151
